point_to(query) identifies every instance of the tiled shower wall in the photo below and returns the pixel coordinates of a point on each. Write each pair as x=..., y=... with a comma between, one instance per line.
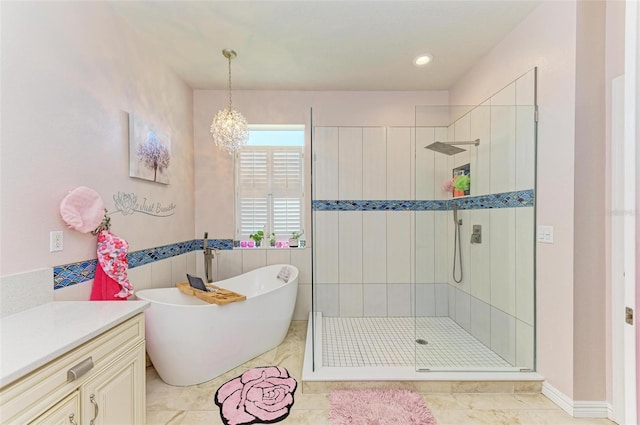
x=368, y=258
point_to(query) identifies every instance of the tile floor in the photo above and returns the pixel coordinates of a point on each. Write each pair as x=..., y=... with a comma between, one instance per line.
x=168, y=405
x=389, y=341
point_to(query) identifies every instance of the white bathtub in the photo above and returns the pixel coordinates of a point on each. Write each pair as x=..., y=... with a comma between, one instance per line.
x=190, y=341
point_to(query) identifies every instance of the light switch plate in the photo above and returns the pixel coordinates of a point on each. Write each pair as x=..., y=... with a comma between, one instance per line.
x=56, y=242
x=545, y=234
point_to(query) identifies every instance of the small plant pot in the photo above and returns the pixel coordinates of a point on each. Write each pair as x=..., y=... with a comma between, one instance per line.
x=293, y=243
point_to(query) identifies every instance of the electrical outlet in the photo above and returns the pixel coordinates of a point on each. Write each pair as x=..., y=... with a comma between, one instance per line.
x=55, y=241
x=545, y=234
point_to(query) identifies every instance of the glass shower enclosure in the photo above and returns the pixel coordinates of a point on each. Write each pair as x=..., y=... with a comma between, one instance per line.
x=396, y=281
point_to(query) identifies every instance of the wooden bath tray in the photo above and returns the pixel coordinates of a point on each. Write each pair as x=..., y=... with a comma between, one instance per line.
x=221, y=296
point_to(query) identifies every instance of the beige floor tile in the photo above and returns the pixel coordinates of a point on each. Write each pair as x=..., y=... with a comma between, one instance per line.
x=471, y=403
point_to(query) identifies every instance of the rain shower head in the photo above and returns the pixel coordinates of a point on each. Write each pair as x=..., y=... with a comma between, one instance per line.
x=449, y=148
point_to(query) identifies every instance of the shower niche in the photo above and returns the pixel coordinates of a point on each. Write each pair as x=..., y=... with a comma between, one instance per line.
x=461, y=180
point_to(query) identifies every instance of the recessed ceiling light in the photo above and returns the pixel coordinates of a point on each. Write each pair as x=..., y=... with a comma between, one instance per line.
x=423, y=59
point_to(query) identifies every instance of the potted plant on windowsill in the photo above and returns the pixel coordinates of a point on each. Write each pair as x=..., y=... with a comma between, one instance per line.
x=294, y=239
x=257, y=237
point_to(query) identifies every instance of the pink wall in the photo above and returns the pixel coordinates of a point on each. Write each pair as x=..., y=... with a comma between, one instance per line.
x=614, y=67
x=590, y=331
x=70, y=72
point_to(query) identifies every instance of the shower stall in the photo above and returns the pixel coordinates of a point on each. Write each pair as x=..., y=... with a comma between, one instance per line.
x=423, y=239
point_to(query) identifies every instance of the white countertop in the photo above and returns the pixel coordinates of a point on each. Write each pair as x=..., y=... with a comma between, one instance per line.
x=34, y=337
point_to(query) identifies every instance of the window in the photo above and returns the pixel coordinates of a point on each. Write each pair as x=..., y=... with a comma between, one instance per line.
x=269, y=182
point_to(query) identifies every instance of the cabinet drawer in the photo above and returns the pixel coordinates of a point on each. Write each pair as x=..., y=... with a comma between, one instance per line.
x=33, y=394
x=66, y=412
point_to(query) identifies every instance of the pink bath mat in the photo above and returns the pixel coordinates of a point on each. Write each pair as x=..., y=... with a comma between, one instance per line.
x=379, y=407
x=262, y=395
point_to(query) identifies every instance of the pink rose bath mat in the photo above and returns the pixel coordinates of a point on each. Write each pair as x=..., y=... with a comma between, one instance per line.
x=262, y=395
x=380, y=407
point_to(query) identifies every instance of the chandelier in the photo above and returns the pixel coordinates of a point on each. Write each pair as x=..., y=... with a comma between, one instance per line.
x=229, y=127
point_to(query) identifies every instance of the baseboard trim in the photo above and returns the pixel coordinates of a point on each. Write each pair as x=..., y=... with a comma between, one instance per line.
x=577, y=409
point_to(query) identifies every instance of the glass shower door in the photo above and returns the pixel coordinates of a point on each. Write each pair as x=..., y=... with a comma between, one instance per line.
x=474, y=233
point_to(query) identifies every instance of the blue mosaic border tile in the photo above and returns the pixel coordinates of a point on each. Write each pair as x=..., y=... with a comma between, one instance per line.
x=74, y=273
x=517, y=199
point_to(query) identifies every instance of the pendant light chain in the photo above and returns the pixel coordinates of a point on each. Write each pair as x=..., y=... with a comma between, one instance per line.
x=229, y=83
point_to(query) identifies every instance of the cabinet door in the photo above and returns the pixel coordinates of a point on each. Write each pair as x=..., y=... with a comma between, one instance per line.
x=116, y=395
x=65, y=412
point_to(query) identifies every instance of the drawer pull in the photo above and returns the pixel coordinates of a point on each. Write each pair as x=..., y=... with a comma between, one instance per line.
x=96, y=411
x=71, y=421
x=80, y=369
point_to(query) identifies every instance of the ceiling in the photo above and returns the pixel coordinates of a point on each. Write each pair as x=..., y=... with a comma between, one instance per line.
x=321, y=45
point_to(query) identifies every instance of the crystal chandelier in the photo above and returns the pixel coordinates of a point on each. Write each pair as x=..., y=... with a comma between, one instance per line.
x=229, y=127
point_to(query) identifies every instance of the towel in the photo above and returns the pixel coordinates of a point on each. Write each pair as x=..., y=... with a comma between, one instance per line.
x=284, y=274
x=82, y=209
x=111, y=281
x=104, y=288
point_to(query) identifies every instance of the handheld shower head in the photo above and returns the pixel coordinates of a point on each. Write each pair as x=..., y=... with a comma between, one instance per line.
x=455, y=214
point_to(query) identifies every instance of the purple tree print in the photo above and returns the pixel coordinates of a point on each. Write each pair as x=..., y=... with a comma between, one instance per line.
x=153, y=154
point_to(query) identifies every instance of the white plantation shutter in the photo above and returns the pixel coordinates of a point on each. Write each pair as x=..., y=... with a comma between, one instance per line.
x=269, y=189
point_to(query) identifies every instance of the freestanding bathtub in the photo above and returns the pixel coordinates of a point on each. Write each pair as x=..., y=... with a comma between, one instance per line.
x=190, y=341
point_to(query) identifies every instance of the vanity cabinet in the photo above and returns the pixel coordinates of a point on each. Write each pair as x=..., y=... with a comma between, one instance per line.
x=101, y=382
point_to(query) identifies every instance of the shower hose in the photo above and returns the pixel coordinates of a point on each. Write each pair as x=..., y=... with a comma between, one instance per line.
x=457, y=246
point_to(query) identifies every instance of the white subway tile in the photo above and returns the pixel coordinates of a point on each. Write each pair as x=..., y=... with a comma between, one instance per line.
x=325, y=162
x=481, y=161
x=442, y=299
x=350, y=163
x=374, y=247
x=326, y=246
x=179, y=268
x=350, y=246
x=375, y=300
x=301, y=258
x=525, y=149
x=229, y=263
x=463, y=310
x=503, y=135
x=374, y=163
x=503, y=248
x=524, y=345
x=303, y=302
x=328, y=299
x=424, y=166
x=425, y=246
x=140, y=277
x=399, y=300
x=399, y=163
x=480, y=257
x=442, y=271
x=481, y=321
x=351, y=300
x=503, y=335
x=161, y=274
x=425, y=300
x=524, y=266
x=279, y=256
x=398, y=247
x=253, y=259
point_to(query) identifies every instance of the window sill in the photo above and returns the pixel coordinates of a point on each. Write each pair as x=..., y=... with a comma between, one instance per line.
x=270, y=248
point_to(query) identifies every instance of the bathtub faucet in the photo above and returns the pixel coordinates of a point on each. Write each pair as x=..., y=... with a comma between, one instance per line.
x=208, y=258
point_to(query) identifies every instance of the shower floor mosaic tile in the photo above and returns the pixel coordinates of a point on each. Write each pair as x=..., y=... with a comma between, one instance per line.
x=390, y=341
